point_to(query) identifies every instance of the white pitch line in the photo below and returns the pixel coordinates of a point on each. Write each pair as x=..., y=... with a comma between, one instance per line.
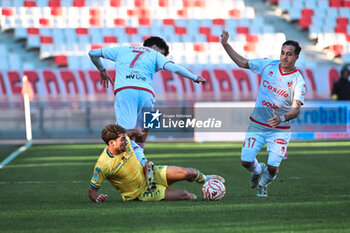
x=15, y=154
x=41, y=182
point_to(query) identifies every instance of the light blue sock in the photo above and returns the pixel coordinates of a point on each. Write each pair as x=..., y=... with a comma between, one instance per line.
x=139, y=153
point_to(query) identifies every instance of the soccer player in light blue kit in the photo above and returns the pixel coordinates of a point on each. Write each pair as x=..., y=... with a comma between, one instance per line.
x=280, y=96
x=133, y=86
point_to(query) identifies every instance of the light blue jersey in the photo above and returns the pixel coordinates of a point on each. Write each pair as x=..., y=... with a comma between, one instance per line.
x=135, y=66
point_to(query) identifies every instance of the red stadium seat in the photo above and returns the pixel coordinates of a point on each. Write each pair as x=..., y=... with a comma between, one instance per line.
x=305, y=22
x=140, y=3
x=220, y=22
x=169, y=22
x=81, y=31
x=180, y=30
x=56, y=11
x=342, y=21
x=29, y=3
x=110, y=39
x=163, y=3
x=235, y=13
x=79, y=3
x=46, y=40
x=33, y=31
x=335, y=3
x=346, y=3
x=61, y=60
x=54, y=3
x=119, y=22
x=242, y=30
x=198, y=47
x=131, y=30
x=44, y=22
x=205, y=30
x=212, y=38
x=115, y=3
x=6, y=12
x=307, y=12
x=250, y=47
x=251, y=38
x=144, y=21
x=96, y=46
x=340, y=29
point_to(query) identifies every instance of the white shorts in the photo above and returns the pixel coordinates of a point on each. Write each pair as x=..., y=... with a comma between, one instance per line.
x=129, y=106
x=257, y=136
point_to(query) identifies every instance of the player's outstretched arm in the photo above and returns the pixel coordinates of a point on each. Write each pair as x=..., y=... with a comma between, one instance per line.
x=95, y=197
x=95, y=55
x=184, y=72
x=237, y=58
x=293, y=113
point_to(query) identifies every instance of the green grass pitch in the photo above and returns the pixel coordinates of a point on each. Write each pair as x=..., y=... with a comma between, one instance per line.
x=45, y=190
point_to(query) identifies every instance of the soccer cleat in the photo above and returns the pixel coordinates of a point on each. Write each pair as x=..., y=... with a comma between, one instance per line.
x=254, y=179
x=148, y=169
x=262, y=191
x=216, y=177
x=193, y=196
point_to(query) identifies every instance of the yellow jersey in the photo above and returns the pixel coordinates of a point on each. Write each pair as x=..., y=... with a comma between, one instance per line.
x=124, y=172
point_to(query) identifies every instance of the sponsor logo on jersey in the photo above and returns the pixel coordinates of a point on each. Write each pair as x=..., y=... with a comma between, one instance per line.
x=274, y=89
x=280, y=141
x=290, y=83
x=270, y=105
x=135, y=76
x=270, y=73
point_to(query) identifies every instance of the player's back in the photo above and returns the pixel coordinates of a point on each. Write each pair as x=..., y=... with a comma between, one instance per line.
x=135, y=65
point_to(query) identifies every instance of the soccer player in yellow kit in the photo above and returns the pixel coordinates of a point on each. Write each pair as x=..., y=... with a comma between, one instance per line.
x=119, y=165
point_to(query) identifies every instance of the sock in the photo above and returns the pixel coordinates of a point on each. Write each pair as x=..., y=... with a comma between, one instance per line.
x=201, y=178
x=141, y=144
x=255, y=167
x=139, y=153
x=266, y=178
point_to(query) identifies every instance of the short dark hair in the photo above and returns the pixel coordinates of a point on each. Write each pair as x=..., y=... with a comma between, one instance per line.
x=297, y=48
x=111, y=132
x=160, y=42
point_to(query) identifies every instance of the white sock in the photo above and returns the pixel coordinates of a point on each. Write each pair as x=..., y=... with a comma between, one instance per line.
x=255, y=167
x=266, y=178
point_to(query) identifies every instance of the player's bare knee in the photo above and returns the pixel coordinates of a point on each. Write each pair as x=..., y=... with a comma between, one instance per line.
x=246, y=164
x=190, y=174
x=273, y=171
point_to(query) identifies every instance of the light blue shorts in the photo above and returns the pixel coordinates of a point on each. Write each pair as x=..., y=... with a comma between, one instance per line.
x=129, y=106
x=257, y=136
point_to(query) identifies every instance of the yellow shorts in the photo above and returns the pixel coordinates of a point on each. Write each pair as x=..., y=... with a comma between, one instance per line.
x=159, y=192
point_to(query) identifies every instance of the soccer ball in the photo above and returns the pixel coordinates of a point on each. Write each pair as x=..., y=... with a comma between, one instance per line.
x=213, y=190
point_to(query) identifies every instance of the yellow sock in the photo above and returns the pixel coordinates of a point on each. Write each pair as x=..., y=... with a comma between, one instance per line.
x=200, y=177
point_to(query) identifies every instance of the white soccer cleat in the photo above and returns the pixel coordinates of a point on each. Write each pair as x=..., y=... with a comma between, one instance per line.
x=149, y=169
x=216, y=177
x=254, y=179
x=262, y=191
x=193, y=196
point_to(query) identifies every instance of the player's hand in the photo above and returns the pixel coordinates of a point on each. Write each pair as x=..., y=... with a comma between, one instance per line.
x=135, y=132
x=101, y=198
x=273, y=122
x=224, y=37
x=200, y=80
x=105, y=78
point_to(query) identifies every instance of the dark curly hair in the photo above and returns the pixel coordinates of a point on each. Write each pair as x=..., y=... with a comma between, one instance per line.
x=111, y=132
x=160, y=42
